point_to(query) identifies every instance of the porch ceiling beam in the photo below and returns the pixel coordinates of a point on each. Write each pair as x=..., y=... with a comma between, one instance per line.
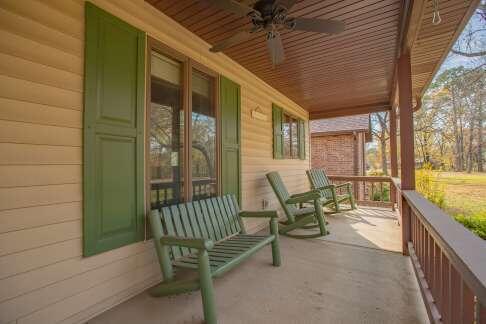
x=347, y=111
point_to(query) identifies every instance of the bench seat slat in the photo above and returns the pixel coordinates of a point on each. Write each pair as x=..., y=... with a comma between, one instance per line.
x=169, y=227
x=226, y=252
x=211, y=218
x=196, y=229
x=204, y=217
x=185, y=223
x=217, y=218
x=227, y=215
x=179, y=230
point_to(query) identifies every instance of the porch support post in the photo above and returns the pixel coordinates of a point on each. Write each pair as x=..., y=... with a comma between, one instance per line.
x=393, y=154
x=407, y=158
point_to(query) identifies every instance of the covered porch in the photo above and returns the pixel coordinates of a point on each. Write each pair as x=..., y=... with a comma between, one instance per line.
x=356, y=274
x=75, y=242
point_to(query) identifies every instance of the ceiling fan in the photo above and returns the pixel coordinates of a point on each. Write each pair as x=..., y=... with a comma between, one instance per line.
x=270, y=16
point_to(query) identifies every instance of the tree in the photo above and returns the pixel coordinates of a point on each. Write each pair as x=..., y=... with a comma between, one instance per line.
x=380, y=130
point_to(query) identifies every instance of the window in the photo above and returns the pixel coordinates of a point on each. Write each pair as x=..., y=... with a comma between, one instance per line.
x=166, y=134
x=183, y=162
x=204, y=150
x=288, y=135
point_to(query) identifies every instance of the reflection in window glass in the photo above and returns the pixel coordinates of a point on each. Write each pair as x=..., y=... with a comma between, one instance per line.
x=290, y=129
x=286, y=130
x=295, y=139
x=166, y=131
x=204, y=179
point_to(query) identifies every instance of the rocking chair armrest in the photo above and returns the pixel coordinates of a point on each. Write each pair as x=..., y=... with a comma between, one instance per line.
x=345, y=184
x=331, y=186
x=195, y=243
x=304, y=197
x=259, y=214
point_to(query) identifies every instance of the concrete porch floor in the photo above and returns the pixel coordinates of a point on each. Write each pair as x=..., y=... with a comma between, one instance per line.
x=351, y=276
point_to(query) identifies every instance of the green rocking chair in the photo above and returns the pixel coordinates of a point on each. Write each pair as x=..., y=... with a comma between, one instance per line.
x=298, y=217
x=319, y=181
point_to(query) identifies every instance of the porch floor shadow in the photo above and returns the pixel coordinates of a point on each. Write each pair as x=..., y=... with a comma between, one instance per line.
x=320, y=281
x=369, y=227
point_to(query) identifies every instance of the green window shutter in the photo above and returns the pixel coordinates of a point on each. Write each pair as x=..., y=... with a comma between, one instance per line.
x=277, y=118
x=113, y=133
x=301, y=139
x=230, y=137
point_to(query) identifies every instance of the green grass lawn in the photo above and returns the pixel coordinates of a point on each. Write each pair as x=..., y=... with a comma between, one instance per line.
x=465, y=198
x=465, y=193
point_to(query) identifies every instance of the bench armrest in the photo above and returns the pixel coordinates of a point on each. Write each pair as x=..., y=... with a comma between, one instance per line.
x=260, y=214
x=195, y=243
x=304, y=197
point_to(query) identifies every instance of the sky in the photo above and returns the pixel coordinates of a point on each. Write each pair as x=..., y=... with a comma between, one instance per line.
x=453, y=60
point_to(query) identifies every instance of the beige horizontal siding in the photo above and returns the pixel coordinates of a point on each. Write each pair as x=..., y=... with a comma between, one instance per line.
x=43, y=276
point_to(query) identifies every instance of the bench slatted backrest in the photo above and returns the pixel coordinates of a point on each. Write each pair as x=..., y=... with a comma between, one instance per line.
x=319, y=179
x=281, y=192
x=213, y=218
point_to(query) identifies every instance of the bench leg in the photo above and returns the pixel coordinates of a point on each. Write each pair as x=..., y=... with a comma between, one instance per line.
x=207, y=291
x=275, y=243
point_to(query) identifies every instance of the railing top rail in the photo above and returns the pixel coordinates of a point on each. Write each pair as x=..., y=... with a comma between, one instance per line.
x=360, y=178
x=397, y=182
x=465, y=251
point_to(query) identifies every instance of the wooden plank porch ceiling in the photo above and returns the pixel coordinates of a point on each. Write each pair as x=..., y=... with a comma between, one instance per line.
x=332, y=75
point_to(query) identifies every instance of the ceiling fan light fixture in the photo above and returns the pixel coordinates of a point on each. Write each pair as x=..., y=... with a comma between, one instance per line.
x=270, y=16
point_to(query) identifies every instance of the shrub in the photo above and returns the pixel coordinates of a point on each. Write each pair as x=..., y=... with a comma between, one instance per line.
x=378, y=196
x=475, y=223
x=428, y=185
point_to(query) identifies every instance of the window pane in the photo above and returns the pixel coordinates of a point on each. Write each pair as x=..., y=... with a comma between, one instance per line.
x=204, y=173
x=286, y=137
x=166, y=131
x=295, y=139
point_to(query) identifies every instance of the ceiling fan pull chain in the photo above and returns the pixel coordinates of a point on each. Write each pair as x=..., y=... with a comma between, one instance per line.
x=436, y=18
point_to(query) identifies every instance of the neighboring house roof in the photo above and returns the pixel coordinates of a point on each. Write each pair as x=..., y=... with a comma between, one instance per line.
x=348, y=124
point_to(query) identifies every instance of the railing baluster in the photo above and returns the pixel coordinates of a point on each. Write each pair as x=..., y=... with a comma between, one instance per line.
x=482, y=312
x=436, y=290
x=467, y=304
x=455, y=296
x=445, y=290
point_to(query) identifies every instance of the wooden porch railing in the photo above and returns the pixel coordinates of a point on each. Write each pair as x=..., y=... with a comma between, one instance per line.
x=449, y=262
x=165, y=193
x=370, y=190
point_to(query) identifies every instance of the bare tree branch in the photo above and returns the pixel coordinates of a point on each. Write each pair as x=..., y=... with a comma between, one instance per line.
x=474, y=54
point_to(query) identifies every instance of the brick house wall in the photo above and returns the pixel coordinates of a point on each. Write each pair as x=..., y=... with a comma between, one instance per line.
x=339, y=154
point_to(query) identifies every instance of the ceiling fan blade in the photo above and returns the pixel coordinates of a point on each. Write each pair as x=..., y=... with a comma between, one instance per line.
x=319, y=25
x=287, y=4
x=234, y=7
x=275, y=47
x=237, y=38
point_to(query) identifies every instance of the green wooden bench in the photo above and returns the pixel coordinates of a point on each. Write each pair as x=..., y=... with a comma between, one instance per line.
x=319, y=181
x=298, y=217
x=208, y=236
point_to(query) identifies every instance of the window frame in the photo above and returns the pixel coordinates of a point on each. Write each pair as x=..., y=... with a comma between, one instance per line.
x=188, y=65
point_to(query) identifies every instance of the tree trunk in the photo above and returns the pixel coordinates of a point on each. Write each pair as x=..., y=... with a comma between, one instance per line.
x=479, y=150
x=384, y=161
x=470, y=149
x=458, y=148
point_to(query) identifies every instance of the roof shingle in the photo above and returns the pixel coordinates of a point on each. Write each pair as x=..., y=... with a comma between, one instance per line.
x=356, y=123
